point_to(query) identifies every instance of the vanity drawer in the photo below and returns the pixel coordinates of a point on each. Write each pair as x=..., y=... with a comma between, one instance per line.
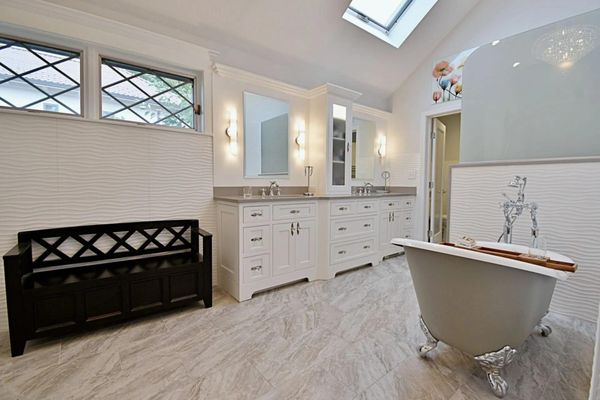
x=390, y=204
x=341, y=229
x=405, y=217
x=257, y=214
x=257, y=239
x=349, y=250
x=256, y=268
x=341, y=208
x=365, y=207
x=294, y=211
x=407, y=203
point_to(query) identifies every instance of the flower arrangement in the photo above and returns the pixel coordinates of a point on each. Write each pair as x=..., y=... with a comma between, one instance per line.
x=447, y=77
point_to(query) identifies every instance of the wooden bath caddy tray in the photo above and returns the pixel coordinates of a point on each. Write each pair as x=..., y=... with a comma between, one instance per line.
x=544, y=262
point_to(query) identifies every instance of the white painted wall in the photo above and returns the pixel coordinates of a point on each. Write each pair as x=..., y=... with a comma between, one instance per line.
x=228, y=94
x=59, y=171
x=487, y=21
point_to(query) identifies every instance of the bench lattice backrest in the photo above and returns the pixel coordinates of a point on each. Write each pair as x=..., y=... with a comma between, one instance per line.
x=94, y=243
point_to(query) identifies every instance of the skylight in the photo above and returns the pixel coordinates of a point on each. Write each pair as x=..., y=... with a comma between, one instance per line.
x=389, y=20
x=382, y=13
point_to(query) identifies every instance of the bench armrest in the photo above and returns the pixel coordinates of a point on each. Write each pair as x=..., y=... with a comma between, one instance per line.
x=18, y=250
x=201, y=232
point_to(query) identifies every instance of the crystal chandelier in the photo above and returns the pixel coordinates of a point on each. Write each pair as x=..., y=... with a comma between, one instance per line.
x=564, y=47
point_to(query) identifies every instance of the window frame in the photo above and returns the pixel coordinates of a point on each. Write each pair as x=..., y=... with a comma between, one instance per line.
x=197, y=79
x=82, y=78
x=384, y=28
x=89, y=56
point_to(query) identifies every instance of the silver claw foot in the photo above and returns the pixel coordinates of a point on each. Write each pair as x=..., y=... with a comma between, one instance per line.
x=431, y=341
x=492, y=364
x=543, y=329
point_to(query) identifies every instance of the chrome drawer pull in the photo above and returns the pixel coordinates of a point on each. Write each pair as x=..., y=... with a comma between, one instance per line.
x=297, y=228
x=256, y=239
x=390, y=204
x=367, y=225
x=342, y=228
x=367, y=206
x=292, y=229
x=342, y=252
x=366, y=247
x=256, y=268
x=407, y=218
x=294, y=211
x=256, y=214
x=342, y=208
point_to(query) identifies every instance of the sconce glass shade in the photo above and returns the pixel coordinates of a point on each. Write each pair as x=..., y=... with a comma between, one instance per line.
x=381, y=150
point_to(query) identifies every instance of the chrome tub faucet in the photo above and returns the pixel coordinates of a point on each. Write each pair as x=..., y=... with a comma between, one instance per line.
x=514, y=208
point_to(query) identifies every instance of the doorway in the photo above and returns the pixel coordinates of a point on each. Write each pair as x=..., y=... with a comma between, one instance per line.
x=444, y=142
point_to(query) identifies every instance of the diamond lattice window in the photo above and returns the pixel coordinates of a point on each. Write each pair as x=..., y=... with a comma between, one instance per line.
x=139, y=94
x=35, y=77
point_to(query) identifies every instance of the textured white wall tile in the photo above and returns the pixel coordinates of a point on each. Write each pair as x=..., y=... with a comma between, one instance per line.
x=569, y=218
x=58, y=172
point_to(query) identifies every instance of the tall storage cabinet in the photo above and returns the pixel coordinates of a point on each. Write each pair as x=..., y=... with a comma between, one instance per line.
x=330, y=145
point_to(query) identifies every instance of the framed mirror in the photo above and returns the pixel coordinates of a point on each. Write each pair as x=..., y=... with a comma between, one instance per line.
x=363, y=149
x=266, y=137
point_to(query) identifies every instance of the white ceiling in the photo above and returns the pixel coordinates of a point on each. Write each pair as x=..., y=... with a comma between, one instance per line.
x=301, y=42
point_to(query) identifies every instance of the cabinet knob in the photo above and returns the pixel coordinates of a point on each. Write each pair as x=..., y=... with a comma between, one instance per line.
x=390, y=204
x=256, y=268
x=256, y=239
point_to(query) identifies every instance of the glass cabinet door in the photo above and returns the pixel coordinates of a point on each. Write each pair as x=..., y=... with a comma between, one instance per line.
x=338, y=147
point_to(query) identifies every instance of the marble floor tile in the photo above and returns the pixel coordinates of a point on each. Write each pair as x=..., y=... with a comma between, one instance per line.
x=352, y=337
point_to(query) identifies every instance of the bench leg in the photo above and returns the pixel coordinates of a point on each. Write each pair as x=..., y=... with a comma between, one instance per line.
x=17, y=346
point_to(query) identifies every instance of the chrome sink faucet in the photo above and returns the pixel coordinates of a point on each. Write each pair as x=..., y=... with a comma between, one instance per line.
x=274, y=189
x=514, y=208
x=368, y=188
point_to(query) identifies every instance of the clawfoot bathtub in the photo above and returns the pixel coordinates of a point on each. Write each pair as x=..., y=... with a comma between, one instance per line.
x=481, y=304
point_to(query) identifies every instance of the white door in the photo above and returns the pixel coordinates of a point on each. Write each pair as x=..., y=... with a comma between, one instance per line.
x=340, y=144
x=284, y=235
x=384, y=229
x=305, y=244
x=436, y=177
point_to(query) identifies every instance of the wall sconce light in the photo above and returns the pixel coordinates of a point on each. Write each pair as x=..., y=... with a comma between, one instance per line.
x=232, y=132
x=381, y=146
x=301, y=140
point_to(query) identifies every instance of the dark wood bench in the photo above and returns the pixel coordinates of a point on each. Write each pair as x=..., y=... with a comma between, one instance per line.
x=65, y=279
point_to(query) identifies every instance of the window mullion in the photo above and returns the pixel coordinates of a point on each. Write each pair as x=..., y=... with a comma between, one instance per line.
x=92, y=95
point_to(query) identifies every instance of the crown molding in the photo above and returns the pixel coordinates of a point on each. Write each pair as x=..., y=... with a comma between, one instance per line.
x=334, y=90
x=227, y=71
x=374, y=112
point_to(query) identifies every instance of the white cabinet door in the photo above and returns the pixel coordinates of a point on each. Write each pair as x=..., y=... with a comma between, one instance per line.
x=305, y=244
x=384, y=229
x=396, y=225
x=284, y=237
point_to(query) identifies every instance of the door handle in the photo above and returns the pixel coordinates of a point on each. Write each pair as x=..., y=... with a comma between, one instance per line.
x=292, y=228
x=393, y=217
x=347, y=147
x=389, y=217
x=297, y=228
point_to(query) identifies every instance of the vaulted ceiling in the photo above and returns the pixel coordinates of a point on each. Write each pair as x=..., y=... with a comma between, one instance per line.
x=301, y=42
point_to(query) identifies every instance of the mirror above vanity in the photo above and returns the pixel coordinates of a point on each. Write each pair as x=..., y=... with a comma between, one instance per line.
x=266, y=137
x=364, y=159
